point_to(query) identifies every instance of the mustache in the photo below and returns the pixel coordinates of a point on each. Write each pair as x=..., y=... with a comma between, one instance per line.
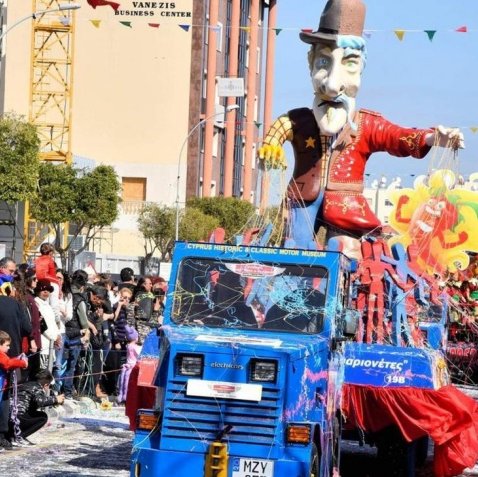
x=344, y=100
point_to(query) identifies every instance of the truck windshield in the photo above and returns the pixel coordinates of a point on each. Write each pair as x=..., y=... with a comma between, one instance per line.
x=240, y=295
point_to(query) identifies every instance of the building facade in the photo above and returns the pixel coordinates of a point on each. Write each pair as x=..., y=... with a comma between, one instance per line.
x=144, y=85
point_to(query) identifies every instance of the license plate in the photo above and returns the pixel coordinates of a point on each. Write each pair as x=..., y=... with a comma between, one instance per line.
x=252, y=467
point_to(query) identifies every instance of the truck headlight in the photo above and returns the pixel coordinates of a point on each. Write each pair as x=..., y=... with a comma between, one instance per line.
x=189, y=364
x=264, y=370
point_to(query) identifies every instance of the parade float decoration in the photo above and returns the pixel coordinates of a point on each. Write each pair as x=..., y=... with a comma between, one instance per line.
x=287, y=296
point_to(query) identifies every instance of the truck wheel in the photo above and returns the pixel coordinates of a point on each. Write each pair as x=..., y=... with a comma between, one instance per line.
x=421, y=450
x=393, y=454
x=314, y=462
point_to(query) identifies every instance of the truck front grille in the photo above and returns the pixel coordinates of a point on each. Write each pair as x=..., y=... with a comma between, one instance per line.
x=201, y=419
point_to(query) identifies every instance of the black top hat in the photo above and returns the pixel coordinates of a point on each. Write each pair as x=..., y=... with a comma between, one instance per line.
x=340, y=17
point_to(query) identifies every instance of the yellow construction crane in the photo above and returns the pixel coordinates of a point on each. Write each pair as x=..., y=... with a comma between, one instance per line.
x=52, y=51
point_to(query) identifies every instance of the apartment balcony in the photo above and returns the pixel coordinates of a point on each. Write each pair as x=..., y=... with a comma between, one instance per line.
x=133, y=207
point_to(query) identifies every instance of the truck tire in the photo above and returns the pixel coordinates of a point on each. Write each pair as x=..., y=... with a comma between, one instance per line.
x=314, y=462
x=421, y=450
x=393, y=454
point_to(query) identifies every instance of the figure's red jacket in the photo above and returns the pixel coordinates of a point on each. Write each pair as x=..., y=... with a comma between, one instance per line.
x=7, y=364
x=45, y=269
x=349, y=152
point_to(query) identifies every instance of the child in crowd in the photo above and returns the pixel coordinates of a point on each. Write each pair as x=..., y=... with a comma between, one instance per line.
x=45, y=266
x=7, y=364
x=132, y=353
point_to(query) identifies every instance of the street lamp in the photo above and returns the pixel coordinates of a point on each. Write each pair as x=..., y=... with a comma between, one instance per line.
x=61, y=8
x=228, y=109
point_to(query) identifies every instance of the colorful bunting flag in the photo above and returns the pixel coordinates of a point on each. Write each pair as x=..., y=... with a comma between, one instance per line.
x=307, y=30
x=185, y=27
x=462, y=29
x=400, y=34
x=126, y=24
x=277, y=30
x=258, y=124
x=245, y=28
x=430, y=34
x=474, y=129
x=367, y=34
x=154, y=25
x=96, y=23
x=215, y=28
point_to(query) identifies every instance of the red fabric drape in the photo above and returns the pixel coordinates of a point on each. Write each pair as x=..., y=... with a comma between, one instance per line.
x=448, y=416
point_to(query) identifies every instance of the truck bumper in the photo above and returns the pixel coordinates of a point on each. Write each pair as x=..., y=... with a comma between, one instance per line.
x=154, y=463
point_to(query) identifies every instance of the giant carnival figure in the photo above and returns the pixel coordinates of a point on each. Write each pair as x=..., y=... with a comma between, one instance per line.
x=332, y=141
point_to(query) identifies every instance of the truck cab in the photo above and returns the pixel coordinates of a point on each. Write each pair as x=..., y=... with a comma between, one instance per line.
x=251, y=364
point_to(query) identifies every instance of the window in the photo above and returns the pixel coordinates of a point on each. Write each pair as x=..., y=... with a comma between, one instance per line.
x=134, y=189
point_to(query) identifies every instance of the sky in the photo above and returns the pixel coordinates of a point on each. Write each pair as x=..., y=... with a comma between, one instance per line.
x=415, y=82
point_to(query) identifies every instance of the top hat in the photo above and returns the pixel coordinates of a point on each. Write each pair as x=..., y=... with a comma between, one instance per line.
x=340, y=17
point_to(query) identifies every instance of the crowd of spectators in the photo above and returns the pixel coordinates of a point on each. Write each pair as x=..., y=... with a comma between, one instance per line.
x=79, y=334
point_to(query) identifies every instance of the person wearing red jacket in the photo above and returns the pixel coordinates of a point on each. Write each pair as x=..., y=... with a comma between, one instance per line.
x=45, y=267
x=7, y=364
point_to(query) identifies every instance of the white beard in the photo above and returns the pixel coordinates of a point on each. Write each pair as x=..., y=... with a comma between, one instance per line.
x=332, y=117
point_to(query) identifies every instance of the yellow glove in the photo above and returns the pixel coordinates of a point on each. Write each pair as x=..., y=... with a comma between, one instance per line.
x=273, y=156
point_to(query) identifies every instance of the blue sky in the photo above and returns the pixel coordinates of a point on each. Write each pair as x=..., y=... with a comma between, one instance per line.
x=413, y=82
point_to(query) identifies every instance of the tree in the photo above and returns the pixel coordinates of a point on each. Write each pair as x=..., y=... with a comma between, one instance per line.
x=232, y=214
x=85, y=199
x=20, y=163
x=157, y=223
x=195, y=225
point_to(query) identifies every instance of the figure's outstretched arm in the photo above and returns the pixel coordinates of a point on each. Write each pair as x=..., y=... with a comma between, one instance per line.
x=271, y=151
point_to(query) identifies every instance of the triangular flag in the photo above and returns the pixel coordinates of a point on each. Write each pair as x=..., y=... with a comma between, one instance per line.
x=430, y=34
x=474, y=129
x=185, y=27
x=277, y=30
x=307, y=30
x=258, y=125
x=127, y=24
x=215, y=27
x=400, y=34
x=96, y=23
x=462, y=29
x=154, y=25
x=367, y=34
x=248, y=29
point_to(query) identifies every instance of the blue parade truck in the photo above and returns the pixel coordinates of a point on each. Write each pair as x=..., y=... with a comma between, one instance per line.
x=251, y=364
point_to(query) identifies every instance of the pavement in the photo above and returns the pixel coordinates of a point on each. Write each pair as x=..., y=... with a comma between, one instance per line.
x=80, y=439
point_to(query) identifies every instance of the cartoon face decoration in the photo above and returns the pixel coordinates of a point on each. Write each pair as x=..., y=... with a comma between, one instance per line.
x=336, y=77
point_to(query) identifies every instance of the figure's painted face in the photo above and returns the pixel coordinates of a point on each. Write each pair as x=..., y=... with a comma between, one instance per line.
x=336, y=76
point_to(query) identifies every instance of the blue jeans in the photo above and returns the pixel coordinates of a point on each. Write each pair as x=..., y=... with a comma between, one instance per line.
x=71, y=352
x=58, y=365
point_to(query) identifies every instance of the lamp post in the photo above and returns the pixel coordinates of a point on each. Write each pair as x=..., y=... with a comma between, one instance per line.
x=228, y=109
x=61, y=8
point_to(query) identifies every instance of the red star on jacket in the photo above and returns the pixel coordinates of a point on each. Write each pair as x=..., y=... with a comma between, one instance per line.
x=103, y=3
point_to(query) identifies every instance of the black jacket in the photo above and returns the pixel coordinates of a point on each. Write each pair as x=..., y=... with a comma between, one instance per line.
x=73, y=326
x=31, y=397
x=15, y=322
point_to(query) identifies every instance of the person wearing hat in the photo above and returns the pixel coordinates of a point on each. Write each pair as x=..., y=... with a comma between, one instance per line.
x=332, y=141
x=50, y=338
